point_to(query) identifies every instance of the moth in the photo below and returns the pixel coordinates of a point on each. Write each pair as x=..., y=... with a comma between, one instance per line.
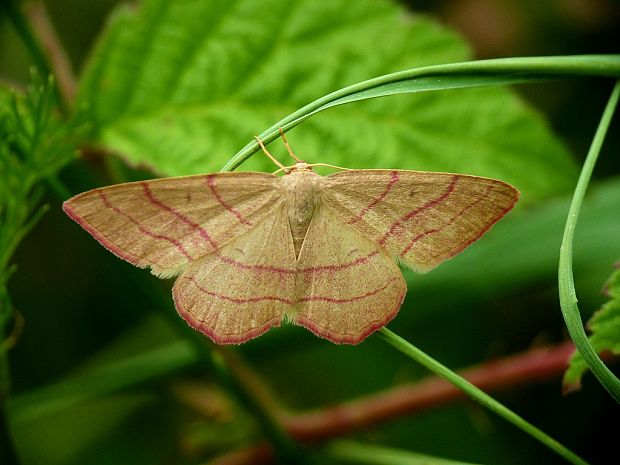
x=253, y=249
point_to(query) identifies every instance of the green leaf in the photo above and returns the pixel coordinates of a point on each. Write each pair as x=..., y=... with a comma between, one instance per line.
x=605, y=333
x=180, y=86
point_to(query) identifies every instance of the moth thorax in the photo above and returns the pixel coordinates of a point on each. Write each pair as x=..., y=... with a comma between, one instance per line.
x=303, y=197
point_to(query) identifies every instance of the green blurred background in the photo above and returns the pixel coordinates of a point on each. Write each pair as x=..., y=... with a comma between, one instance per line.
x=85, y=309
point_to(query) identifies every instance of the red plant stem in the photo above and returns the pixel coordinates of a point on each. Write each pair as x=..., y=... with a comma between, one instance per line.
x=257, y=454
x=52, y=49
x=539, y=364
x=536, y=365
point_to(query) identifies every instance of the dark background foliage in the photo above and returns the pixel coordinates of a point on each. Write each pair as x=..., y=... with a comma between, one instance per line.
x=86, y=310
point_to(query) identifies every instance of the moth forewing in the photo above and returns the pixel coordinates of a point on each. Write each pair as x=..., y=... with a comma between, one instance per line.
x=167, y=223
x=420, y=218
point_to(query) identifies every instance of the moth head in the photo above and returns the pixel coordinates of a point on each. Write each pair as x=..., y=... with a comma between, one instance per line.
x=300, y=166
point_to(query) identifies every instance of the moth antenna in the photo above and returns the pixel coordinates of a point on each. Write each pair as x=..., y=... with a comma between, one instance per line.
x=288, y=147
x=271, y=157
x=331, y=166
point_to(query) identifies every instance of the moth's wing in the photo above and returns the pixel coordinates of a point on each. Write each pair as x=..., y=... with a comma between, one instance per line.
x=347, y=287
x=166, y=223
x=244, y=289
x=422, y=218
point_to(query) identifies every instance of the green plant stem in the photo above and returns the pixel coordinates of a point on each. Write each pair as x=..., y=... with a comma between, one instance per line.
x=568, y=295
x=360, y=453
x=21, y=25
x=43, y=29
x=19, y=235
x=477, y=394
x=479, y=73
x=55, y=185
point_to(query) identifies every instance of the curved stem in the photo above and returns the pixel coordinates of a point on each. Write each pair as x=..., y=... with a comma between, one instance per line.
x=568, y=296
x=477, y=394
x=440, y=77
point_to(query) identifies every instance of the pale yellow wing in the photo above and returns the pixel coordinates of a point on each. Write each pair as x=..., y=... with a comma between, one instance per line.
x=167, y=223
x=421, y=218
x=244, y=289
x=347, y=287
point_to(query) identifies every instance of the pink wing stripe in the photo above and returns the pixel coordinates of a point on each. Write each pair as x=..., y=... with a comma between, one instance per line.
x=104, y=240
x=250, y=300
x=142, y=229
x=415, y=212
x=332, y=300
x=376, y=201
x=338, y=267
x=218, y=197
x=226, y=338
x=258, y=268
x=237, y=300
x=460, y=247
x=158, y=203
x=322, y=331
x=428, y=232
x=309, y=270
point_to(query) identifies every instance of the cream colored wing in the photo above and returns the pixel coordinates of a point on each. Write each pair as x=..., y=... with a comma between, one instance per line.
x=421, y=218
x=167, y=223
x=347, y=287
x=244, y=289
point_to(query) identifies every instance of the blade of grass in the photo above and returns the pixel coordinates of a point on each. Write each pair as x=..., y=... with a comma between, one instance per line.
x=568, y=295
x=15, y=15
x=356, y=452
x=122, y=374
x=477, y=394
x=442, y=77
